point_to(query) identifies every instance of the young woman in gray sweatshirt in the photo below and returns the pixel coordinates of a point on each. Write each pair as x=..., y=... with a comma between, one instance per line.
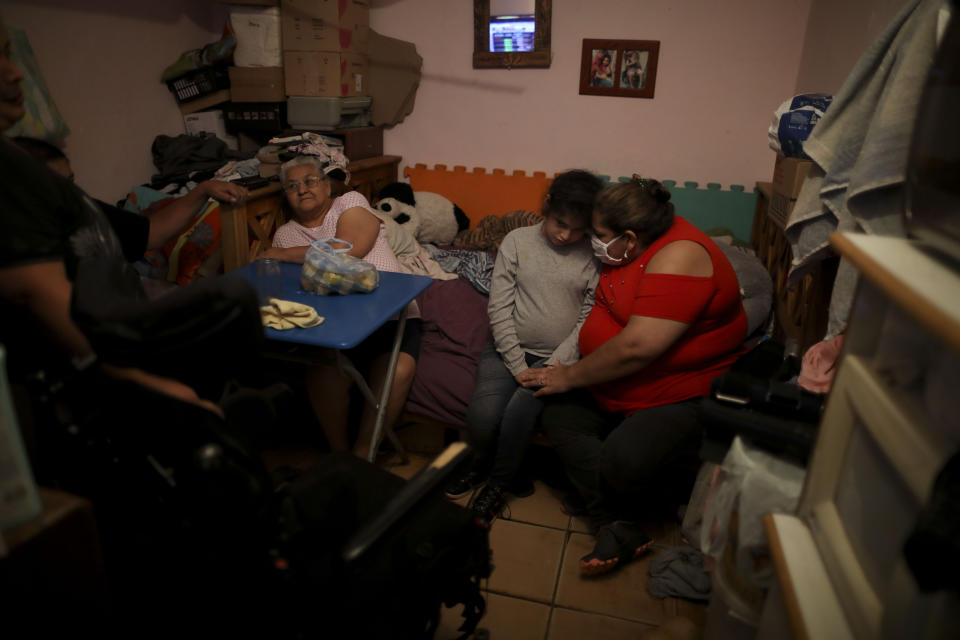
x=541, y=292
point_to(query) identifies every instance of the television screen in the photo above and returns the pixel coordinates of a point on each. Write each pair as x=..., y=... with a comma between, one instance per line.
x=511, y=33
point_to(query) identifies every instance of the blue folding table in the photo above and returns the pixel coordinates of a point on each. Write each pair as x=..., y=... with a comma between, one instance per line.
x=348, y=320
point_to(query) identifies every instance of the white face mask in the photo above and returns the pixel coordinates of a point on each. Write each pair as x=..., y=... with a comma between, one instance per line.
x=600, y=250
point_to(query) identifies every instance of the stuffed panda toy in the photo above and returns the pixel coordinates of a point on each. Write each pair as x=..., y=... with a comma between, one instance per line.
x=431, y=218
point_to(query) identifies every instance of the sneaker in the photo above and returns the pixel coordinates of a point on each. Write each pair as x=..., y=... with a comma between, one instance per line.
x=488, y=505
x=464, y=484
x=617, y=544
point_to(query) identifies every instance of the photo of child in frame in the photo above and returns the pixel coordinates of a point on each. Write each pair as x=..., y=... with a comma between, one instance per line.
x=601, y=70
x=622, y=68
x=633, y=74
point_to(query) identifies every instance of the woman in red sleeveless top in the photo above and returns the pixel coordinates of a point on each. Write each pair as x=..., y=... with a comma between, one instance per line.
x=667, y=320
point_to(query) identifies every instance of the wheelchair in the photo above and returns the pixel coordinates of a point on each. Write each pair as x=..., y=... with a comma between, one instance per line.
x=198, y=537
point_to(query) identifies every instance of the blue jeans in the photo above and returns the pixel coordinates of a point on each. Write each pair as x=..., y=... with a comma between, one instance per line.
x=501, y=416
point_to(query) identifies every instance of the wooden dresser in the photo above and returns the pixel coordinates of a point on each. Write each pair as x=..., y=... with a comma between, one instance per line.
x=248, y=228
x=801, y=311
x=370, y=175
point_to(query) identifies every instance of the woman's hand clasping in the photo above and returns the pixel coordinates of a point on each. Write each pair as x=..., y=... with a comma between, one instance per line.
x=550, y=380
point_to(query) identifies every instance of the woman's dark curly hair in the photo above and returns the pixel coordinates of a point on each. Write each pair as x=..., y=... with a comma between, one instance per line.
x=641, y=205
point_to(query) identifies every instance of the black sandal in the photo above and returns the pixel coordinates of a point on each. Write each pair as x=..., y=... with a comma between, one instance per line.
x=617, y=544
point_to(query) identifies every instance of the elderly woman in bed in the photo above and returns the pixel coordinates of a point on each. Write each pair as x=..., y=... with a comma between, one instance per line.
x=666, y=321
x=317, y=214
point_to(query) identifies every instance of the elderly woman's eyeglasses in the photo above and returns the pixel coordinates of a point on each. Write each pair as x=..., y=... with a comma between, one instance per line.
x=309, y=182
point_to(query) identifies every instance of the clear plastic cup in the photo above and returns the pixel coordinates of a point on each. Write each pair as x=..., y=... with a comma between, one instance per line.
x=269, y=280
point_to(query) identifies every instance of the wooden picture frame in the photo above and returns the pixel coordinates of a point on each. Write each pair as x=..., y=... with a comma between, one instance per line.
x=625, y=68
x=540, y=57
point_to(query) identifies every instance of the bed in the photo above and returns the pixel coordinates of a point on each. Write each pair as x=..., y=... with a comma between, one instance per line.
x=455, y=325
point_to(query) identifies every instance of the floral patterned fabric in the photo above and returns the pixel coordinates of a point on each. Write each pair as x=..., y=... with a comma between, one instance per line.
x=182, y=257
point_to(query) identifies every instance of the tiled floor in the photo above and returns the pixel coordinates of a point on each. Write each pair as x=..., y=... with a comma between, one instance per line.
x=536, y=590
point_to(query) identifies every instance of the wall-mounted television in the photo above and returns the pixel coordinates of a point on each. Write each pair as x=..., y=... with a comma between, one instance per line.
x=512, y=33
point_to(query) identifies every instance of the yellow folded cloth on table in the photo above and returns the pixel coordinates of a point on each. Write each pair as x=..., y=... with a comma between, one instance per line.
x=283, y=314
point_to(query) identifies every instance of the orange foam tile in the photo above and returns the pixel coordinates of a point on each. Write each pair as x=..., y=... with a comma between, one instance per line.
x=479, y=193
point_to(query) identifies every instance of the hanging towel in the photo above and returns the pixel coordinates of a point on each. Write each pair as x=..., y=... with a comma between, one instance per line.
x=860, y=150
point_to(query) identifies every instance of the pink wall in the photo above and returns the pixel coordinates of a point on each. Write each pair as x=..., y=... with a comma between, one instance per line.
x=838, y=33
x=102, y=64
x=724, y=68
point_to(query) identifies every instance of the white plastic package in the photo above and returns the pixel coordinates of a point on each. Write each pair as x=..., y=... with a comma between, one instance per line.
x=751, y=483
x=258, y=36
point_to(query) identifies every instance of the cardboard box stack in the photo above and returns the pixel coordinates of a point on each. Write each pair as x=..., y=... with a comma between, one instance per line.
x=314, y=51
x=257, y=96
x=325, y=47
x=788, y=177
x=257, y=74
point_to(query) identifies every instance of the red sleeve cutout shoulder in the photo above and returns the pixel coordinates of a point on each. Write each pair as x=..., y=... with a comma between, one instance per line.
x=673, y=297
